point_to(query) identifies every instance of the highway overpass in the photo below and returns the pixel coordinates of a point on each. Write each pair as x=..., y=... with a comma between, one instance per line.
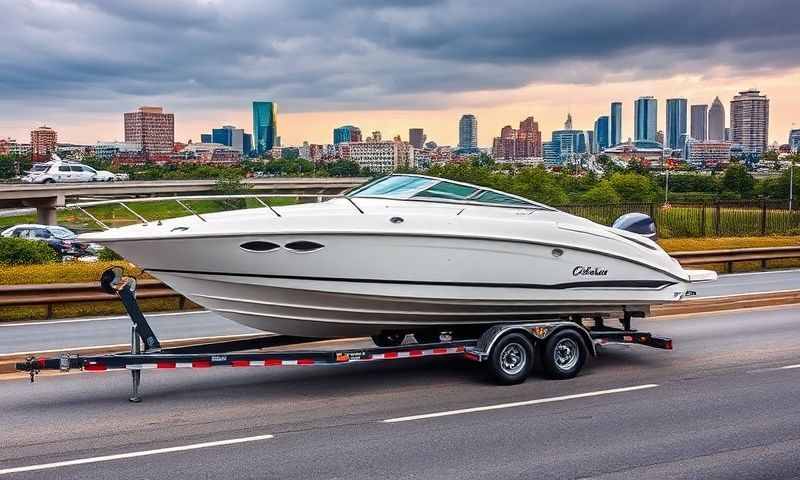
x=47, y=198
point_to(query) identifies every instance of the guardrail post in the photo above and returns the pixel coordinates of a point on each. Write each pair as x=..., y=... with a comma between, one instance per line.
x=763, y=217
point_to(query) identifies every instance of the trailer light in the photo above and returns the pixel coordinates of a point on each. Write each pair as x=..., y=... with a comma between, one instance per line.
x=627, y=338
x=540, y=332
x=342, y=357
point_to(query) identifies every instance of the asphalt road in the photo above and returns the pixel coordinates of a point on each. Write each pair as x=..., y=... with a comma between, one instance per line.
x=76, y=333
x=719, y=406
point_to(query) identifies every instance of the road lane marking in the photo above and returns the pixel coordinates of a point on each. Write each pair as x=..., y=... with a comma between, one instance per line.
x=158, y=451
x=774, y=369
x=520, y=404
x=789, y=367
x=98, y=319
x=765, y=272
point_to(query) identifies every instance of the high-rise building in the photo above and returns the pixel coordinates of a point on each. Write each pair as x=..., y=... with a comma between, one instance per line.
x=518, y=145
x=794, y=140
x=601, y=134
x=565, y=143
x=615, y=127
x=716, y=121
x=206, y=138
x=230, y=136
x=699, y=122
x=347, y=133
x=590, y=143
x=676, y=122
x=750, y=121
x=44, y=141
x=645, y=118
x=708, y=154
x=265, y=126
x=151, y=129
x=468, y=132
x=727, y=136
x=416, y=137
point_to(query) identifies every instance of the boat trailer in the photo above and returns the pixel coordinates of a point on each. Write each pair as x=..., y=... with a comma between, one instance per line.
x=509, y=351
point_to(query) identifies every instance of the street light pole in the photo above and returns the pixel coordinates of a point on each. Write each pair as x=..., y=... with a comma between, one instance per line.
x=791, y=184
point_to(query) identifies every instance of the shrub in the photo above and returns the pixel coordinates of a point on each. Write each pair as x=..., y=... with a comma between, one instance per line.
x=108, y=255
x=18, y=251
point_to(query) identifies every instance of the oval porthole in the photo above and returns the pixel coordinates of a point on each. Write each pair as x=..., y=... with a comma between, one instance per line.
x=396, y=219
x=557, y=252
x=303, y=246
x=179, y=229
x=259, y=246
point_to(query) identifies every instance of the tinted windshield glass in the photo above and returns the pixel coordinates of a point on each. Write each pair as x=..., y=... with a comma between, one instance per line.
x=395, y=187
x=493, y=197
x=449, y=190
x=40, y=168
x=61, y=233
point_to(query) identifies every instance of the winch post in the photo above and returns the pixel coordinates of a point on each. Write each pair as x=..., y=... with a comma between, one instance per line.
x=136, y=374
x=128, y=297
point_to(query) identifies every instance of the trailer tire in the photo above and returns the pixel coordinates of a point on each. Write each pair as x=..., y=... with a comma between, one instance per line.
x=563, y=355
x=511, y=359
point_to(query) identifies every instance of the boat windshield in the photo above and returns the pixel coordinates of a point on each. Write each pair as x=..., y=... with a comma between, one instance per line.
x=413, y=187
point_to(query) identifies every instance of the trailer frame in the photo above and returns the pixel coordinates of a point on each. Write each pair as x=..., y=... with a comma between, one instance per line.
x=549, y=342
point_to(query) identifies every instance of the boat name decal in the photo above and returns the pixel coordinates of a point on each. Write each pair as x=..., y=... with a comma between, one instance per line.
x=590, y=271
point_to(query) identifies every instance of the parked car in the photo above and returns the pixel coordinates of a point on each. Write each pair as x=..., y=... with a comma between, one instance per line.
x=60, y=171
x=60, y=239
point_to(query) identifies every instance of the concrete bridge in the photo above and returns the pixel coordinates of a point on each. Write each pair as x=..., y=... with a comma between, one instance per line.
x=47, y=198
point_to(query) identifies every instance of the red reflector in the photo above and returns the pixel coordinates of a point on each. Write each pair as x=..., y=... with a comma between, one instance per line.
x=201, y=364
x=240, y=363
x=305, y=361
x=460, y=349
x=165, y=365
x=439, y=350
x=415, y=353
x=390, y=355
x=41, y=361
x=272, y=362
x=94, y=367
x=669, y=345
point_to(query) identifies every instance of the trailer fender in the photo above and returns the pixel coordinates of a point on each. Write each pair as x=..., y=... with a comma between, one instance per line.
x=537, y=332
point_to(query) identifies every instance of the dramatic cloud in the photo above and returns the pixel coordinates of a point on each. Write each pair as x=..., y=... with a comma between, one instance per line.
x=194, y=55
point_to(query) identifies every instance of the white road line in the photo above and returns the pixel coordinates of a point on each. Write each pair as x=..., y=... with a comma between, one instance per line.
x=734, y=295
x=520, y=404
x=765, y=272
x=98, y=319
x=121, y=345
x=107, y=458
x=789, y=367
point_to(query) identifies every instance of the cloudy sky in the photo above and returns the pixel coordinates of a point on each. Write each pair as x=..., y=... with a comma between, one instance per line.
x=390, y=65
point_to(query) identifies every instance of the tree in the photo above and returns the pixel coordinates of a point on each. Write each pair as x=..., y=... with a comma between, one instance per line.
x=633, y=187
x=602, y=193
x=736, y=179
x=343, y=168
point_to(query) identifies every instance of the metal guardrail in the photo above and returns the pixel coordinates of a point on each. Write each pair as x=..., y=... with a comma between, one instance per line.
x=730, y=256
x=61, y=293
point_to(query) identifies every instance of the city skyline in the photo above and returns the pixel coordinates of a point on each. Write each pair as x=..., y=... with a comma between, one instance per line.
x=441, y=60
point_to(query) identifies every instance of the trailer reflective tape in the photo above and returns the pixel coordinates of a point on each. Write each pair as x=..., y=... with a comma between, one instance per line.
x=165, y=365
x=387, y=355
x=240, y=363
x=305, y=361
x=272, y=362
x=415, y=353
x=439, y=351
x=94, y=367
x=201, y=364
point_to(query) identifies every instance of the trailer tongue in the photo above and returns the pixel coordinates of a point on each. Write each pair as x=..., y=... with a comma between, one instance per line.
x=507, y=350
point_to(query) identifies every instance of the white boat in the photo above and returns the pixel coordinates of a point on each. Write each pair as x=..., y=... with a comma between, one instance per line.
x=405, y=253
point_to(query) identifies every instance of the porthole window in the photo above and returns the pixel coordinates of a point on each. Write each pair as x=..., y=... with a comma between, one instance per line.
x=259, y=246
x=303, y=246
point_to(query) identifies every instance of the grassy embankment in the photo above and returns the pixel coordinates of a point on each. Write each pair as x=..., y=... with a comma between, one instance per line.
x=90, y=272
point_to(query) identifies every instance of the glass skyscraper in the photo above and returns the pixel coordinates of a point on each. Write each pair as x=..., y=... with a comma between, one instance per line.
x=645, y=119
x=615, y=127
x=265, y=126
x=699, y=127
x=468, y=132
x=676, y=123
x=347, y=133
x=601, y=138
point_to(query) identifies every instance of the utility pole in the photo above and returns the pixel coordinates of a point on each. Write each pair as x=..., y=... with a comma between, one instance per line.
x=791, y=184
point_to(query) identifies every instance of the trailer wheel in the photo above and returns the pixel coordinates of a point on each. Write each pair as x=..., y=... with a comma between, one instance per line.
x=563, y=355
x=389, y=339
x=511, y=359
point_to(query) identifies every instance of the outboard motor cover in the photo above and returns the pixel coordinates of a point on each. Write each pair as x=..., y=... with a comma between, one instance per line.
x=637, y=223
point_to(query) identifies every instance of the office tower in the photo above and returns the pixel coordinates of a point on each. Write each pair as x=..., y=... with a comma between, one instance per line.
x=601, y=134
x=230, y=136
x=716, y=121
x=794, y=140
x=206, y=138
x=468, y=132
x=347, y=133
x=151, y=129
x=44, y=141
x=615, y=127
x=676, y=122
x=416, y=137
x=645, y=118
x=699, y=122
x=265, y=126
x=750, y=120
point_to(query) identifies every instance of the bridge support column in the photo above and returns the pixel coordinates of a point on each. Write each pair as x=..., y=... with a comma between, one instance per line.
x=46, y=209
